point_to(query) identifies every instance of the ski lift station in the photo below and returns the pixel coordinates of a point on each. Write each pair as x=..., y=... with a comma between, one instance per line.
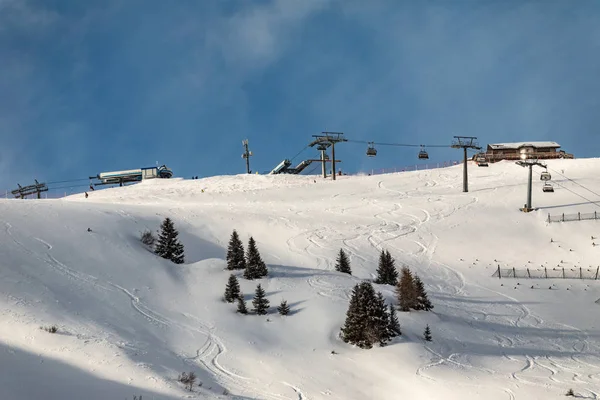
x=132, y=175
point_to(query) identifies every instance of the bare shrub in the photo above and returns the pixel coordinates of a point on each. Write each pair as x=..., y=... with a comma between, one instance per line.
x=50, y=329
x=148, y=238
x=187, y=379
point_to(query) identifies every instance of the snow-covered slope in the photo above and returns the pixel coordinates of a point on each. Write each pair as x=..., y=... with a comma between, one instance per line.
x=130, y=322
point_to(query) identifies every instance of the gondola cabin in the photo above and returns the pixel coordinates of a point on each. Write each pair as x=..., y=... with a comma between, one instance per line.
x=548, y=188
x=371, y=151
x=423, y=155
x=545, y=176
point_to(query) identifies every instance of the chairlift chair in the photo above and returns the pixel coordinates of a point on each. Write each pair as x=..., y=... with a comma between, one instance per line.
x=548, y=188
x=371, y=151
x=423, y=154
x=545, y=176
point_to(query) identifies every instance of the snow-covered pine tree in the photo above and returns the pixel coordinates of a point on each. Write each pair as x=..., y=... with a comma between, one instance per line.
x=241, y=308
x=366, y=319
x=406, y=291
x=283, y=308
x=386, y=271
x=427, y=334
x=378, y=319
x=392, y=276
x=342, y=263
x=235, y=253
x=393, y=324
x=168, y=245
x=255, y=266
x=232, y=289
x=423, y=302
x=260, y=302
x=353, y=330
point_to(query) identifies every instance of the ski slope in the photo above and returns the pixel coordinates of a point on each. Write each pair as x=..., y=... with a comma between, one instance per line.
x=130, y=322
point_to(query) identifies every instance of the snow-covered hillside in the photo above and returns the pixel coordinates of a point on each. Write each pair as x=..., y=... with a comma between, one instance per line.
x=130, y=322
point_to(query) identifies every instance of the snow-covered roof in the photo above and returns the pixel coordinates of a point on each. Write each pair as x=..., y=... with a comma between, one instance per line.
x=515, y=146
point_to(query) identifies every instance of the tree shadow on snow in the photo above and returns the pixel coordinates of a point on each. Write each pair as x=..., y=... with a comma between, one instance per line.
x=474, y=300
x=286, y=271
x=294, y=307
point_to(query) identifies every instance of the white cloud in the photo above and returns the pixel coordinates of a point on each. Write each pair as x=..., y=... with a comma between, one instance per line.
x=254, y=37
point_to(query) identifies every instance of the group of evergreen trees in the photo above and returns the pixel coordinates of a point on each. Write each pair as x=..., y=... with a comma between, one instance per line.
x=368, y=319
x=251, y=262
x=260, y=302
x=254, y=268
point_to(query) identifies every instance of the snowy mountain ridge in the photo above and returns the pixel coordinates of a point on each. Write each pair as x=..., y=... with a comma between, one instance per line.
x=130, y=322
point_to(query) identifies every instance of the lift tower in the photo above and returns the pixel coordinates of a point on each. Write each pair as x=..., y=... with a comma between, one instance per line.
x=325, y=140
x=529, y=163
x=246, y=155
x=465, y=142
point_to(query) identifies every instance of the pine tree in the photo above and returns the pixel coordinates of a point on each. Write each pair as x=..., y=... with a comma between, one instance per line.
x=386, y=272
x=393, y=324
x=168, y=245
x=255, y=266
x=260, y=302
x=235, y=253
x=422, y=302
x=378, y=319
x=367, y=319
x=342, y=263
x=353, y=329
x=242, y=305
x=406, y=291
x=427, y=334
x=232, y=289
x=283, y=308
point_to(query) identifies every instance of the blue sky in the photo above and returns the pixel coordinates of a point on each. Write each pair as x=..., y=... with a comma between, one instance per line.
x=92, y=86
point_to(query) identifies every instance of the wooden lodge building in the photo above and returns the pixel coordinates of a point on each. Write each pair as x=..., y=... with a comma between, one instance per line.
x=516, y=151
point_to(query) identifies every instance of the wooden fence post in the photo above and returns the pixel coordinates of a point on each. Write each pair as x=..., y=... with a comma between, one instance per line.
x=499, y=273
x=546, y=272
x=563, y=217
x=548, y=217
x=579, y=215
x=597, y=269
x=514, y=273
x=528, y=273
x=563, y=272
x=580, y=273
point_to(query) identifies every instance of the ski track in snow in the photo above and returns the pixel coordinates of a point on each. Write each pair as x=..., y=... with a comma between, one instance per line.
x=208, y=357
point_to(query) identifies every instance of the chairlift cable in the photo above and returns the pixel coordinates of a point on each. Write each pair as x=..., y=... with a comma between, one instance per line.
x=300, y=152
x=572, y=181
x=396, y=144
x=67, y=181
x=577, y=194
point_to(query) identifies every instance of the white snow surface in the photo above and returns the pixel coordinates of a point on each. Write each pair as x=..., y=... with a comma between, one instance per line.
x=130, y=322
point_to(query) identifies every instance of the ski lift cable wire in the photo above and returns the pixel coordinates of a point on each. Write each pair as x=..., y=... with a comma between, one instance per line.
x=68, y=181
x=572, y=181
x=397, y=144
x=300, y=152
x=577, y=194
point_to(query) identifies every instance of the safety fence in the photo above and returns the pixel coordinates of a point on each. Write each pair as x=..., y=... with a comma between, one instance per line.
x=573, y=217
x=548, y=273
